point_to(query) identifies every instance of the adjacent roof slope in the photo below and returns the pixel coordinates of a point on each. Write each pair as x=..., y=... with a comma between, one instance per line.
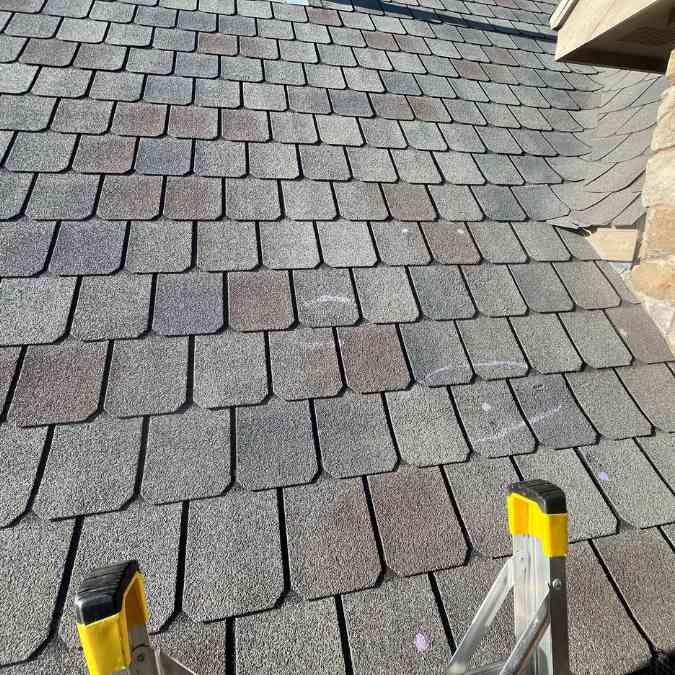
x=281, y=318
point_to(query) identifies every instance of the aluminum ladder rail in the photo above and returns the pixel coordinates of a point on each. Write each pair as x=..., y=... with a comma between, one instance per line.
x=112, y=613
x=536, y=574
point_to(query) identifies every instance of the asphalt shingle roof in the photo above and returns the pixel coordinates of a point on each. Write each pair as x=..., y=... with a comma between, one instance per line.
x=284, y=307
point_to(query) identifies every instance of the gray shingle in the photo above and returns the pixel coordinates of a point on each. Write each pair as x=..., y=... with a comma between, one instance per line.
x=163, y=156
x=92, y=247
x=16, y=78
x=193, y=122
x=551, y=412
x=229, y=369
x=193, y=198
x=273, y=160
x=353, y=435
x=541, y=241
x=290, y=127
x=159, y=246
x=45, y=152
x=112, y=307
x=240, y=68
x=346, y=244
x=138, y=119
x=20, y=453
x=34, y=556
x=90, y=468
x=233, y=561
x=324, y=162
x=325, y=297
x=396, y=629
x=166, y=89
x=264, y=96
x=492, y=348
x=74, y=371
x=494, y=290
x=331, y=545
x=400, y=243
x=304, y=364
x=217, y=93
x=435, y=353
x=455, y=202
x=659, y=449
x=259, y=300
x=130, y=197
x=541, y=288
x=44, y=52
x=349, y=102
x=13, y=192
x=219, y=158
x=66, y=196
x=498, y=203
x=608, y=406
x=642, y=565
x=100, y=56
x=116, y=86
x=104, y=154
x=462, y=591
x=338, y=130
x=371, y=164
x=32, y=25
x=187, y=457
x=492, y=420
x=630, y=483
x=414, y=166
x=640, y=333
x=480, y=487
x=147, y=376
x=360, y=201
x=586, y=284
x=226, y=245
x=408, y=202
x=652, y=388
x=372, y=358
x=595, y=339
x=174, y=39
x=275, y=445
x=598, y=621
x=450, y=242
x=497, y=242
x=24, y=246
x=27, y=113
x=425, y=426
x=186, y=304
x=252, y=199
x=546, y=344
x=459, y=168
x=34, y=311
x=589, y=515
x=416, y=521
x=196, y=65
x=385, y=294
x=304, y=636
x=288, y=244
x=147, y=534
x=308, y=200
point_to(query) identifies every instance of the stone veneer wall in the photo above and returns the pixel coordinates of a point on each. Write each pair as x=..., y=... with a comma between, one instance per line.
x=654, y=275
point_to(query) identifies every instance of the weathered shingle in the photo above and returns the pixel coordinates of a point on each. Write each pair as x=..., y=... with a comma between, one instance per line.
x=331, y=545
x=233, y=561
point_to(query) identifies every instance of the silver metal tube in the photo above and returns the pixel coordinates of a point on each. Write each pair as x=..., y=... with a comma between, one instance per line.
x=528, y=641
x=482, y=621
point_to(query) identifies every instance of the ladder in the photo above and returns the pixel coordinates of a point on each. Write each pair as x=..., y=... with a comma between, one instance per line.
x=112, y=612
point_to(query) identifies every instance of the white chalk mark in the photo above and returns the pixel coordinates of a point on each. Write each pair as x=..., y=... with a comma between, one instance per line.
x=603, y=476
x=460, y=231
x=503, y=433
x=496, y=364
x=421, y=643
x=322, y=299
x=486, y=407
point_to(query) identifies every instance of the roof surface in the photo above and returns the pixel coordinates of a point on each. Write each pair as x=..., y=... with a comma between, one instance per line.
x=281, y=317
